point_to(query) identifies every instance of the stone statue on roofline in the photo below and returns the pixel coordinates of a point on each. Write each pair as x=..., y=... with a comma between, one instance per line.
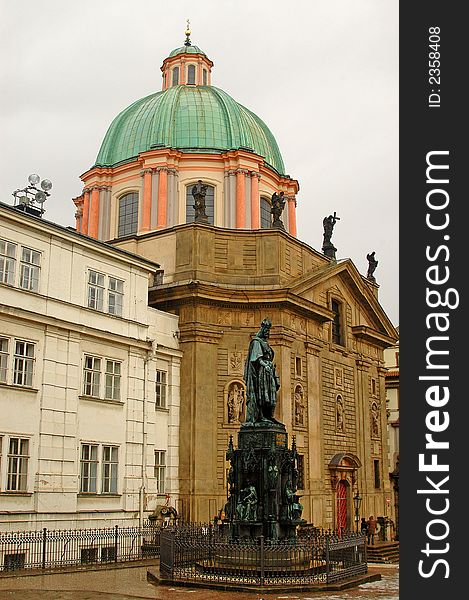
x=328, y=224
x=276, y=209
x=199, y=191
x=372, y=264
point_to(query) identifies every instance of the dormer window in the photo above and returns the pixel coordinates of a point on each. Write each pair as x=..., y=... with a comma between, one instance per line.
x=176, y=76
x=191, y=74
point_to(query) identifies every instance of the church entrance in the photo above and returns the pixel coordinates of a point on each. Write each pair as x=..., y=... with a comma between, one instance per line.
x=342, y=505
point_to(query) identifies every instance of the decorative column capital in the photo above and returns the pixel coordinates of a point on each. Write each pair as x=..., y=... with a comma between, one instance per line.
x=147, y=170
x=255, y=174
x=244, y=171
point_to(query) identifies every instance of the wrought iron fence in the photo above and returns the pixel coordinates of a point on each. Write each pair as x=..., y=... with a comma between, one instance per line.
x=204, y=553
x=49, y=549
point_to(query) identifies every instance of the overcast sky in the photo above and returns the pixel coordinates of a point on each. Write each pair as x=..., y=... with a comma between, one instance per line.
x=322, y=74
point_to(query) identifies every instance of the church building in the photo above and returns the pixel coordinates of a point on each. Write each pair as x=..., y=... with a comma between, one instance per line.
x=223, y=270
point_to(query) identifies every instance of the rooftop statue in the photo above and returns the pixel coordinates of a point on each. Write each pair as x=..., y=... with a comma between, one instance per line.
x=198, y=193
x=276, y=209
x=328, y=224
x=372, y=264
x=327, y=246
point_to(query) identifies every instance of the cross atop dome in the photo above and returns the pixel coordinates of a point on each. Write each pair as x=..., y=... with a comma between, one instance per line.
x=188, y=32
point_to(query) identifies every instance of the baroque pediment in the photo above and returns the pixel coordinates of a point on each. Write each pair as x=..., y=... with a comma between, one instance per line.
x=342, y=281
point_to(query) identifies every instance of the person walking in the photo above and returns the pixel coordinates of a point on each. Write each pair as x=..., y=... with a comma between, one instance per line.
x=371, y=531
x=364, y=526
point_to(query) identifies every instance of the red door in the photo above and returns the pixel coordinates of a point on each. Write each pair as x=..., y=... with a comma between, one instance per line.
x=342, y=506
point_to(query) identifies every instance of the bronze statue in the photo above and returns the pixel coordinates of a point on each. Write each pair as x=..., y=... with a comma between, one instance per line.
x=276, y=209
x=372, y=264
x=262, y=382
x=198, y=193
x=293, y=506
x=246, y=509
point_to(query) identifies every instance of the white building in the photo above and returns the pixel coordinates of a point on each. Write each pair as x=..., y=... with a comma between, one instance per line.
x=89, y=381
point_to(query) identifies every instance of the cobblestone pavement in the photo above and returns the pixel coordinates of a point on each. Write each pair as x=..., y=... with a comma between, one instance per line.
x=131, y=584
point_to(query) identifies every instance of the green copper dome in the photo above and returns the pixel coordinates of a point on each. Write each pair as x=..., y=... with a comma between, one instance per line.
x=188, y=118
x=187, y=50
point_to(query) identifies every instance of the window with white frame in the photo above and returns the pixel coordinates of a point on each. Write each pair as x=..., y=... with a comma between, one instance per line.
x=7, y=262
x=88, y=468
x=115, y=296
x=23, y=363
x=109, y=470
x=18, y=458
x=17, y=361
x=29, y=269
x=113, y=380
x=93, y=375
x=27, y=276
x=161, y=388
x=4, y=356
x=95, y=290
x=105, y=293
x=99, y=466
x=160, y=470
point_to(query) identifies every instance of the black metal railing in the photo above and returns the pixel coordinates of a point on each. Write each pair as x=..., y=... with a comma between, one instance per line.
x=50, y=549
x=203, y=553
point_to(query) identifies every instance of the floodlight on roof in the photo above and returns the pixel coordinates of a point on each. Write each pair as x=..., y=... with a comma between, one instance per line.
x=34, y=179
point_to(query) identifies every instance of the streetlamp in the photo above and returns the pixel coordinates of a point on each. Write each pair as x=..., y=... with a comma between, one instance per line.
x=357, y=500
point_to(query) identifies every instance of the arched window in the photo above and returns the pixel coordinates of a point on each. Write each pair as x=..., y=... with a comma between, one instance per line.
x=191, y=74
x=128, y=214
x=337, y=337
x=265, y=214
x=175, y=75
x=209, y=204
x=204, y=75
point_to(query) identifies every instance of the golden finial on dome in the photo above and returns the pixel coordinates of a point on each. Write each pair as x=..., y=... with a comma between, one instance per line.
x=188, y=32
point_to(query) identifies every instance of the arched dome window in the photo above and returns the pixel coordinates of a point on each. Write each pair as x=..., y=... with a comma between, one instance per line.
x=176, y=76
x=209, y=204
x=128, y=214
x=265, y=214
x=204, y=75
x=191, y=74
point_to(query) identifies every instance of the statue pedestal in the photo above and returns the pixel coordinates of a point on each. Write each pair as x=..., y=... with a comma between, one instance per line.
x=262, y=480
x=329, y=250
